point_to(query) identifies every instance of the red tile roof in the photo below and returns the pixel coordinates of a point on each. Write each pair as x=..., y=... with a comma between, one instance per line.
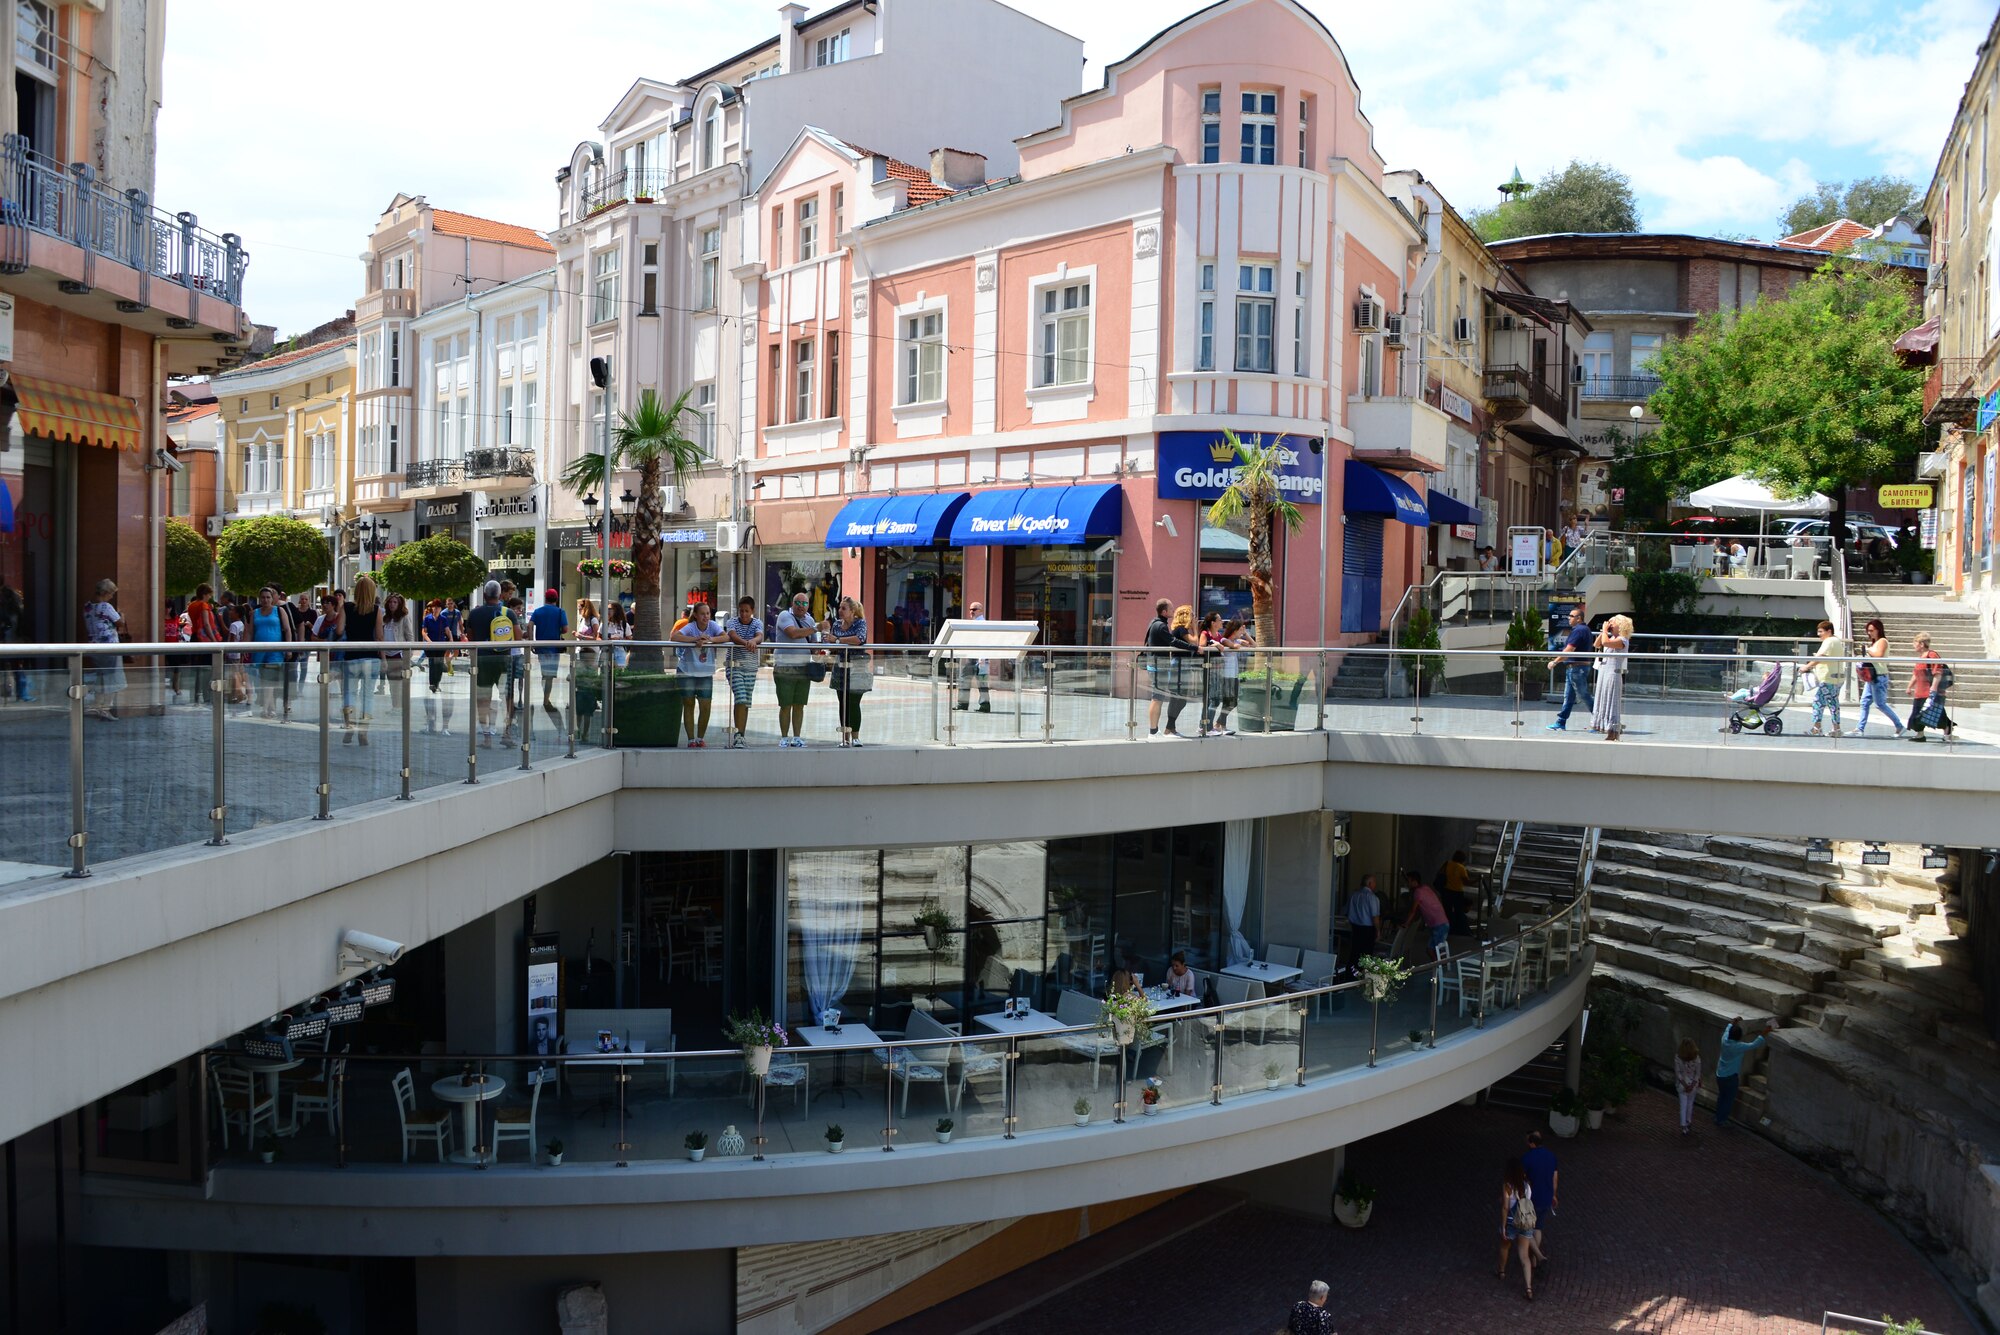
x=296, y=355
x=1834, y=236
x=919, y=187
x=193, y=412
x=447, y=223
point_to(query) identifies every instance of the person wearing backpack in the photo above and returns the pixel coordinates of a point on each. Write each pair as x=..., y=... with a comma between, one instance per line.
x=1517, y=1223
x=489, y=623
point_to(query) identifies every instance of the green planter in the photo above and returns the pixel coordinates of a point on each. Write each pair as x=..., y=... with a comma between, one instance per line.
x=1280, y=704
x=647, y=708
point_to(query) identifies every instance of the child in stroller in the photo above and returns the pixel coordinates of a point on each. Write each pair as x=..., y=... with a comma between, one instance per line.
x=1753, y=708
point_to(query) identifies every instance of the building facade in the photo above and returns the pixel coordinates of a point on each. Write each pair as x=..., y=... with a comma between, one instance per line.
x=288, y=444
x=103, y=298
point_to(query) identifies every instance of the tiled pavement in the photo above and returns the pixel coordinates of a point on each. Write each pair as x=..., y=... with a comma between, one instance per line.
x=1714, y=1234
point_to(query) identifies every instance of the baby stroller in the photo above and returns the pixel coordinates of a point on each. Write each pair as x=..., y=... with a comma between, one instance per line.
x=1753, y=708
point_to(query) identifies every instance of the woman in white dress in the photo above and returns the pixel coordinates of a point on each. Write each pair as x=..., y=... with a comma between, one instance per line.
x=1614, y=647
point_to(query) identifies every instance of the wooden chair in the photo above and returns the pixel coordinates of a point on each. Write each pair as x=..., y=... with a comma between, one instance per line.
x=432, y=1124
x=242, y=1098
x=317, y=1094
x=514, y=1122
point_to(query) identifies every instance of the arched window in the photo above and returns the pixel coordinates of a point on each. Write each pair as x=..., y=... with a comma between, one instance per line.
x=711, y=136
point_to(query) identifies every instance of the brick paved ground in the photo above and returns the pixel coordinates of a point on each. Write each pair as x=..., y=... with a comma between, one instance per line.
x=1715, y=1234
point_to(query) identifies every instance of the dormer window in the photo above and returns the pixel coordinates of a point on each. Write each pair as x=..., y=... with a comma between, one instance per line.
x=711, y=136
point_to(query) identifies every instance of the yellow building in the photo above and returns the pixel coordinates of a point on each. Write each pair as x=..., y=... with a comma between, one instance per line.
x=288, y=444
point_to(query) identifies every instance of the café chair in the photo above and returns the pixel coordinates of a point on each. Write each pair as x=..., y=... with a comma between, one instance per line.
x=432, y=1124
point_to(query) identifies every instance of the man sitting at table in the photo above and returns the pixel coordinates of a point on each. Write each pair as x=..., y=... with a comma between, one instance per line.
x=1429, y=909
x=1180, y=978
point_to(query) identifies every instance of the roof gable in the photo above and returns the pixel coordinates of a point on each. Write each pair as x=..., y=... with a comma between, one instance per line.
x=447, y=223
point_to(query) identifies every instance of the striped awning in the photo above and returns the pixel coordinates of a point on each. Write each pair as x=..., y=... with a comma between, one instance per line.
x=63, y=412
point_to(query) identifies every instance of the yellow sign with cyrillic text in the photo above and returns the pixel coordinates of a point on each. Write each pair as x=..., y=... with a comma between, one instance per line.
x=1906, y=496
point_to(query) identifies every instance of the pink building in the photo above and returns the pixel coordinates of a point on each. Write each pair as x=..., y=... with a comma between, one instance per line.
x=1010, y=391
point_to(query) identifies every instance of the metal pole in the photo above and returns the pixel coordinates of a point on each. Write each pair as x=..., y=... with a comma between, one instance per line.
x=1437, y=986
x=1479, y=1007
x=1215, y=1062
x=1048, y=694
x=1520, y=666
x=889, y=1108
x=1009, y=1083
x=758, y=1154
x=952, y=689
x=1417, y=697
x=1118, y=1107
x=1319, y=721
x=1270, y=700
x=409, y=668
x=473, y=724
x=529, y=673
x=1301, y=1012
x=219, y=834
x=1374, y=1024
x=575, y=657
x=340, y=1114
x=1132, y=704
x=78, y=837
x=623, y=1145
x=325, y=789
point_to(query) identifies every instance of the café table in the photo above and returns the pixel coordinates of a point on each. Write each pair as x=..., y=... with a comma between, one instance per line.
x=455, y=1089
x=271, y=1068
x=1025, y=1024
x=820, y=1036
x=618, y=1060
x=1270, y=975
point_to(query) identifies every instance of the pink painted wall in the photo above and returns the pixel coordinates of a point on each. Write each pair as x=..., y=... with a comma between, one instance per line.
x=952, y=280
x=825, y=313
x=1109, y=249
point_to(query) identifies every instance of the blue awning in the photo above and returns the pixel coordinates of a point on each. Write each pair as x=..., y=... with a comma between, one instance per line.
x=895, y=521
x=1053, y=516
x=1370, y=491
x=6, y=508
x=1450, y=510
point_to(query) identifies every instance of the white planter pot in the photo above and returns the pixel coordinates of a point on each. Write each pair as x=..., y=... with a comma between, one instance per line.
x=758, y=1060
x=555, y=1161
x=1350, y=1215
x=1122, y=1030
x=1083, y=1120
x=1150, y=1109
x=1271, y=1082
x=944, y=1137
x=1373, y=988
x=694, y=1156
x=1593, y=1118
x=268, y=1156
x=1566, y=1127
x=835, y=1146
x=933, y=938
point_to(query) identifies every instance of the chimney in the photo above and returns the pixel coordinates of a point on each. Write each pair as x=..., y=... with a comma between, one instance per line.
x=955, y=169
x=791, y=47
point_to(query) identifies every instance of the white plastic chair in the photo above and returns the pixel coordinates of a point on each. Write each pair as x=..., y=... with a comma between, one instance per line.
x=432, y=1124
x=242, y=1098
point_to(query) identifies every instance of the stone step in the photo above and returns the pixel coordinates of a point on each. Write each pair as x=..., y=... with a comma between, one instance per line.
x=1705, y=1010
x=1937, y=982
x=1888, y=898
x=1772, y=852
x=1835, y=948
x=1721, y=980
x=1658, y=839
x=1870, y=996
x=1711, y=867
x=1869, y=925
x=1696, y=919
x=1620, y=926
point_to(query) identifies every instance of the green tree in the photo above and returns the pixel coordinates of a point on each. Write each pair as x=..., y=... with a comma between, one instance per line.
x=1870, y=201
x=189, y=560
x=1582, y=197
x=287, y=553
x=439, y=566
x=1805, y=393
x=652, y=440
x=1255, y=492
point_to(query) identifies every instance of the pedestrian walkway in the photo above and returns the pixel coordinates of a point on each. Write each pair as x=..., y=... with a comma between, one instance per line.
x=1717, y=1233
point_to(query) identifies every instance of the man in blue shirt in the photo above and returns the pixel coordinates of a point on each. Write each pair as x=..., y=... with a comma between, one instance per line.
x=1539, y=1163
x=1575, y=662
x=1729, y=1065
x=549, y=622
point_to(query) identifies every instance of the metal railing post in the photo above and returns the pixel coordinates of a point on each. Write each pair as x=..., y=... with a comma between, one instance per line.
x=1319, y=722
x=1270, y=696
x=569, y=739
x=889, y=1107
x=473, y=723
x=1048, y=694
x=1118, y=1106
x=403, y=776
x=1479, y=1008
x=610, y=727
x=217, y=813
x=480, y=1151
x=623, y=1146
x=758, y=1154
x=325, y=789
x=529, y=673
x=1417, y=697
x=340, y=1113
x=1437, y=987
x=1519, y=668
x=1132, y=704
x=1374, y=1025
x=1215, y=1062
x=1009, y=1086
x=951, y=690
x=79, y=837
x=1302, y=1008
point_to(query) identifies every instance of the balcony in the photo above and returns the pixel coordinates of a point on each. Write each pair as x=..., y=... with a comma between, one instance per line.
x=433, y=477
x=1514, y=390
x=1404, y=433
x=385, y=303
x=1951, y=394
x=1621, y=388
x=67, y=203
x=623, y=186
x=499, y=470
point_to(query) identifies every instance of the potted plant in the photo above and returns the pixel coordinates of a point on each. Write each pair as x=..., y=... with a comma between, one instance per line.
x=267, y=1147
x=697, y=1145
x=1425, y=672
x=1353, y=1201
x=1915, y=561
x=756, y=1036
x=1130, y=1015
x=1149, y=1095
x=1565, y=1113
x=936, y=924
x=1416, y=1038
x=1524, y=636
x=944, y=1130
x=1272, y=1073
x=554, y=1149
x=1381, y=977
x=836, y=1139
x=1082, y=1110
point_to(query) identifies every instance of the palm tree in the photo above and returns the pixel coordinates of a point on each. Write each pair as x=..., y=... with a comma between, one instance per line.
x=1256, y=490
x=649, y=439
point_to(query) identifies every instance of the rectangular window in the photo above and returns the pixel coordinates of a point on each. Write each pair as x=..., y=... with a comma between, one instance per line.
x=831, y=50
x=711, y=263
x=506, y=414
x=649, y=279
x=704, y=417
x=1256, y=318
x=1305, y=123
x=604, y=286
x=1645, y=347
x=832, y=375
x=531, y=400
x=1299, y=323
x=1260, y=128
x=774, y=406
x=395, y=358
x=243, y=405
x=777, y=238
x=1211, y=125
x=1597, y=367
x=839, y=214
x=808, y=229
x=395, y=447
x=1064, y=342
x=802, y=380
x=1204, y=347
x=923, y=358
x=274, y=403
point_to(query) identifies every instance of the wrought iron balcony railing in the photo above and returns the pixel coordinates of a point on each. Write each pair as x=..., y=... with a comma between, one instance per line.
x=621, y=186
x=1517, y=387
x=68, y=203
x=1631, y=388
x=434, y=473
x=497, y=461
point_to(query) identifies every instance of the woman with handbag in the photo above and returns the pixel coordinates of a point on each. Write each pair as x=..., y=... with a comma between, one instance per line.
x=1874, y=676
x=853, y=671
x=1930, y=679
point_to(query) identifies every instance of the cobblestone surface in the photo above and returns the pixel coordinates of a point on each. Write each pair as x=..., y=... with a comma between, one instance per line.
x=1712, y=1234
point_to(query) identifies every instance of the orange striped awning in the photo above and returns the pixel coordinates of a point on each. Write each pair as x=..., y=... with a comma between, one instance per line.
x=63, y=412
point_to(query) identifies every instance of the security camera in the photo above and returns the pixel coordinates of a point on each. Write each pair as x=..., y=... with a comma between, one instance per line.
x=167, y=461
x=1167, y=522
x=359, y=950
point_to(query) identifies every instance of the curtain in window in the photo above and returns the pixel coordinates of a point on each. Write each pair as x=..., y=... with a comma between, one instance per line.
x=1236, y=884
x=832, y=897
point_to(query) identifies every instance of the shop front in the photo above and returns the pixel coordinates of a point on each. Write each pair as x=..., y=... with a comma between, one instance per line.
x=1200, y=466
x=450, y=516
x=1058, y=554
x=688, y=572
x=507, y=534
x=571, y=545
x=1372, y=499
x=915, y=577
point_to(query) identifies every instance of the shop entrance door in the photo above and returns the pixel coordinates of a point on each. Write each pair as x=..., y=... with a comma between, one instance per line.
x=1361, y=575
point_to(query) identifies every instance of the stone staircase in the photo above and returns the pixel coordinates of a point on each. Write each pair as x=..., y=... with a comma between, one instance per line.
x=1954, y=631
x=1883, y=1070
x=1361, y=676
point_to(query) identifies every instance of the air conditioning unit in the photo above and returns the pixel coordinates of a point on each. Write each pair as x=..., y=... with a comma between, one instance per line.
x=1506, y=324
x=1392, y=329
x=215, y=523
x=729, y=536
x=674, y=501
x=1367, y=315
x=1931, y=463
x=1576, y=374
x=1461, y=329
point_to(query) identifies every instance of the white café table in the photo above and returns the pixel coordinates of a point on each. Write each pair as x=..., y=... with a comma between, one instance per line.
x=848, y=1035
x=1026, y=1025
x=616, y=1061
x=271, y=1068
x=1257, y=971
x=451, y=1089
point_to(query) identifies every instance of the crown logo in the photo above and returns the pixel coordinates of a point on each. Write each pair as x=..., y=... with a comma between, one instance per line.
x=1222, y=451
x=1013, y=522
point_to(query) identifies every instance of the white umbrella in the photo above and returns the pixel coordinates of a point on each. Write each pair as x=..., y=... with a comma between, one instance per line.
x=1745, y=495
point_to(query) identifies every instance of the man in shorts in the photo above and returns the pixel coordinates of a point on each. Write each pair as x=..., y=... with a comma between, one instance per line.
x=517, y=661
x=744, y=632
x=791, y=668
x=487, y=623
x=696, y=653
x=974, y=669
x=545, y=623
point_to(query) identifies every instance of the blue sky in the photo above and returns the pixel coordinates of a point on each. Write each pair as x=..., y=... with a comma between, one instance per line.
x=1721, y=111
